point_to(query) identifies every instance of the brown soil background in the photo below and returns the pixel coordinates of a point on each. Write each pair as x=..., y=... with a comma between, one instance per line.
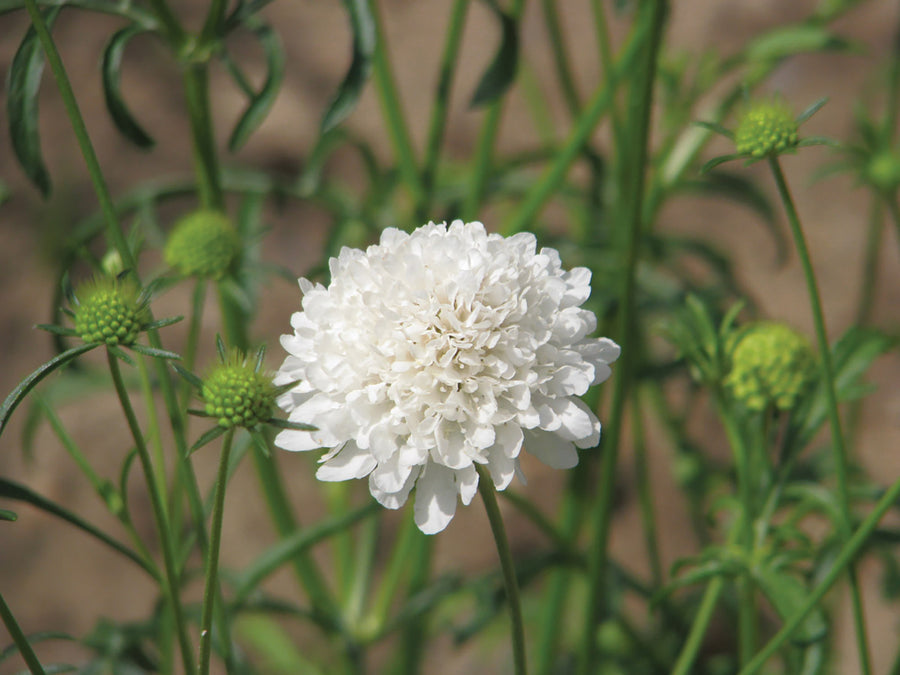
x=55, y=578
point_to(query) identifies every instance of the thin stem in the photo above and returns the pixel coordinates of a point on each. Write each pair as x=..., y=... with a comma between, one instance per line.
x=842, y=563
x=685, y=662
x=18, y=637
x=152, y=421
x=441, y=105
x=397, y=128
x=81, y=135
x=645, y=491
x=169, y=581
x=560, y=58
x=215, y=19
x=393, y=576
x=188, y=359
x=210, y=590
x=894, y=210
x=484, y=149
x=653, y=16
x=834, y=417
x=169, y=21
x=489, y=497
x=594, y=110
x=206, y=165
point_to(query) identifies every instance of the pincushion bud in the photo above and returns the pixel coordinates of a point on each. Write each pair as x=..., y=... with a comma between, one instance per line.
x=766, y=128
x=237, y=395
x=772, y=365
x=203, y=244
x=109, y=310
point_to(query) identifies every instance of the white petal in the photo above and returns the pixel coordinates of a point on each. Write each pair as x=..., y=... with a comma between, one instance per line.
x=351, y=462
x=467, y=482
x=298, y=441
x=502, y=467
x=390, y=476
x=394, y=500
x=509, y=440
x=577, y=422
x=555, y=452
x=435, y=498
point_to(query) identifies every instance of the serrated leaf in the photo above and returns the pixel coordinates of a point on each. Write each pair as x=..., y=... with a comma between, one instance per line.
x=501, y=72
x=261, y=102
x=15, y=491
x=111, y=72
x=788, y=595
x=364, y=43
x=22, y=87
x=29, y=383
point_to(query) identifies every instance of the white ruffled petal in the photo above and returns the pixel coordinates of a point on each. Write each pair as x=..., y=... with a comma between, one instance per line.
x=351, y=462
x=394, y=500
x=555, y=452
x=467, y=483
x=435, y=498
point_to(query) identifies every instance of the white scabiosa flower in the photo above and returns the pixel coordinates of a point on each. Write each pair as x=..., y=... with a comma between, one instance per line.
x=438, y=350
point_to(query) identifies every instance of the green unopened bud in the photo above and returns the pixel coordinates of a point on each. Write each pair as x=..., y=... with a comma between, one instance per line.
x=112, y=263
x=109, y=311
x=237, y=395
x=203, y=244
x=771, y=366
x=766, y=128
x=883, y=171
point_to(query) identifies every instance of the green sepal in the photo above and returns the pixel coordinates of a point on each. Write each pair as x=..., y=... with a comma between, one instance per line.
x=56, y=330
x=282, y=388
x=26, y=385
x=188, y=375
x=22, y=88
x=715, y=161
x=111, y=71
x=119, y=354
x=162, y=323
x=287, y=424
x=208, y=437
x=811, y=110
x=260, y=355
x=715, y=127
x=220, y=348
x=154, y=352
x=200, y=413
x=365, y=41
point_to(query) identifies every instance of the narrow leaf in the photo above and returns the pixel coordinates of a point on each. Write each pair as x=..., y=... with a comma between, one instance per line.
x=782, y=42
x=8, y=515
x=111, y=72
x=121, y=355
x=294, y=545
x=811, y=110
x=364, y=41
x=188, y=375
x=22, y=86
x=287, y=424
x=162, y=323
x=18, y=492
x=717, y=128
x=26, y=385
x=56, y=330
x=220, y=347
x=154, y=352
x=501, y=72
x=262, y=101
x=715, y=161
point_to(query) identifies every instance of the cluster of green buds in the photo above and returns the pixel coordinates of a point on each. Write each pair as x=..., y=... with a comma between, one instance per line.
x=772, y=366
x=203, y=244
x=110, y=310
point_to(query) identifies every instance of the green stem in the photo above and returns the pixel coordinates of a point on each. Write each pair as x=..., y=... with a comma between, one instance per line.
x=206, y=165
x=560, y=58
x=414, y=635
x=393, y=576
x=441, y=105
x=18, y=637
x=834, y=417
x=397, y=128
x=596, y=107
x=215, y=19
x=81, y=135
x=891, y=201
x=484, y=149
x=210, y=590
x=169, y=581
x=489, y=497
x=842, y=563
x=870, y=270
x=685, y=663
x=645, y=492
x=653, y=17
x=189, y=358
x=169, y=21
x=152, y=421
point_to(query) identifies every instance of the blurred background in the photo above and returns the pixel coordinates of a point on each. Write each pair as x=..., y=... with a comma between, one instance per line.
x=55, y=578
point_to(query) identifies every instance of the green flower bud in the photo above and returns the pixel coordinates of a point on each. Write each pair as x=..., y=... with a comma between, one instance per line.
x=109, y=311
x=771, y=365
x=203, y=244
x=883, y=171
x=237, y=395
x=766, y=128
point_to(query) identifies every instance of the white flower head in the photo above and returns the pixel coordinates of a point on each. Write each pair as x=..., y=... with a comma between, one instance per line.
x=438, y=350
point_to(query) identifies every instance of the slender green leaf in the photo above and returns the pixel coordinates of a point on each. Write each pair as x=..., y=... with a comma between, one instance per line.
x=799, y=39
x=261, y=102
x=154, y=352
x=811, y=110
x=294, y=545
x=119, y=354
x=26, y=385
x=8, y=515
x=501, y=72
x=162, y=323
x=287, y=424
x=715, y=127
x=207, y=437
x=33, y=639
x=22, y=87
x=111, y=72
x=188, y=375
x=364, y=39
x=56, y=330
x=15, y=491
x=715, y=161
x=220, y=348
